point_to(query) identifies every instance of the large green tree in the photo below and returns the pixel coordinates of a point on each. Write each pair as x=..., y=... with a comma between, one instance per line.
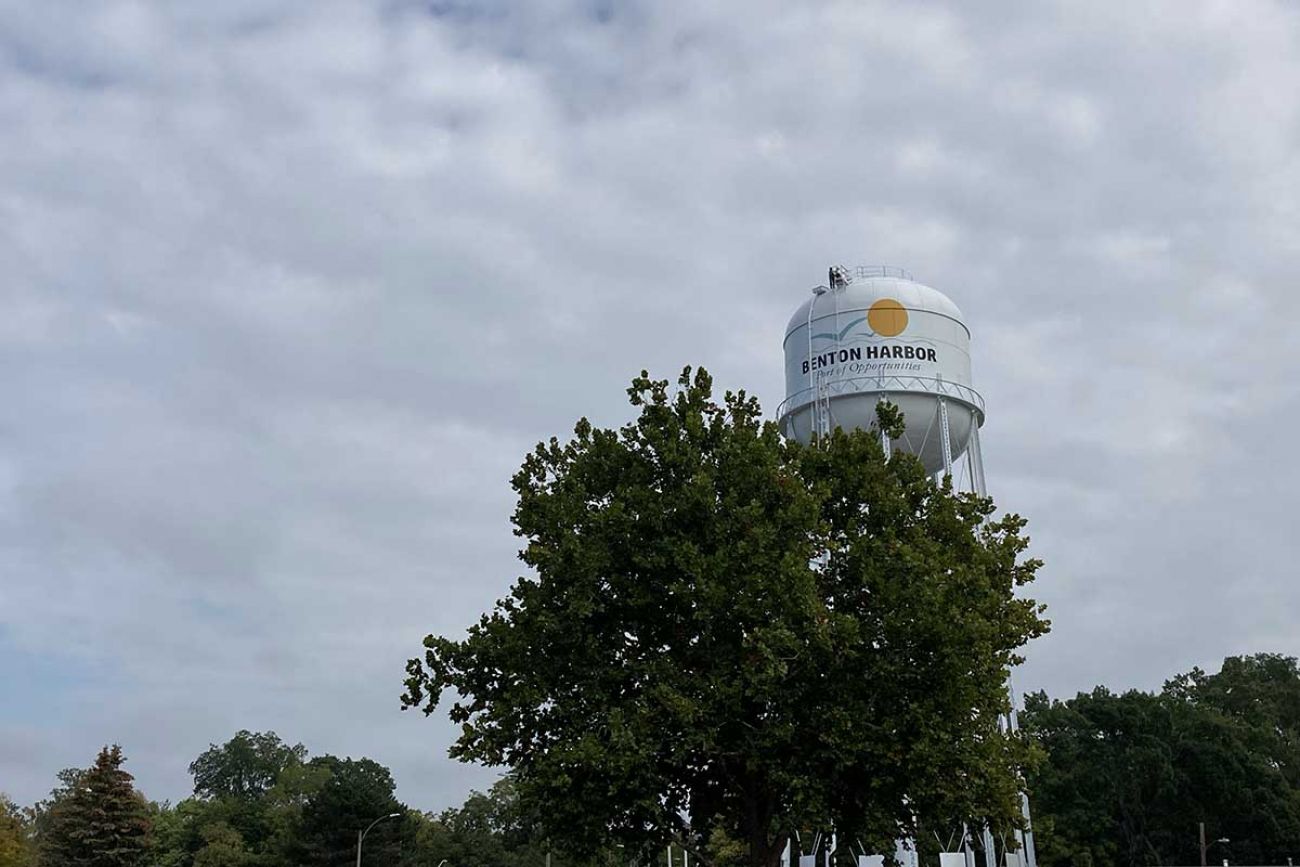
x=491, y=829
x=354, y=793
x=1261, y=691
x=246, y=766
x=1127, y=778
x=259, y=802
x=724, y=631
x=96, y=818
x=249, y=790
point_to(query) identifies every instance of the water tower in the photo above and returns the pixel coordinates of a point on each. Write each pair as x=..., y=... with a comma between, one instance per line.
x=875, y=334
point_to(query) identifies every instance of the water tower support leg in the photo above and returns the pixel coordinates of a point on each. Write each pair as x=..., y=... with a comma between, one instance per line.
x=884, y=437
x=945, y=437
x=977, y=457
x=1028, y=857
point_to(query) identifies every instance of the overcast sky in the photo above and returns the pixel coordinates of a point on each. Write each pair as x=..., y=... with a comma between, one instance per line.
x=290, y=286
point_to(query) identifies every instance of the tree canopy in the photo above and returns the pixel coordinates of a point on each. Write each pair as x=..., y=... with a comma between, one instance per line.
x=1260, y=691
x=15, y=835
x=724, y=631
x=1123, y=781
x=96, y=818
x=260, y=802
x=246, y=766
x=355, y=793
x=1127, y=778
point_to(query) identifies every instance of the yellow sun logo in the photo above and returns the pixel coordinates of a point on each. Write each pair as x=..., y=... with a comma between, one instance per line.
x=887, y=317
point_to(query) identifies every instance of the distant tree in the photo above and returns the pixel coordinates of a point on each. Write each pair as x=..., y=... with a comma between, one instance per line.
x=495, y=829
x=491, y=829
x=285, y=803
x=468, y=836
x=355, y=793
x=497, y=815
x=1127, y=778
x=1263, y=692
x=176, y=832
x=247, y=784
x=725, y=630
x=199, y=832
x=244, y=767
x=222, y=847
x=96, y=818
x=50, y=814
x=15, y=835
x=249, y=796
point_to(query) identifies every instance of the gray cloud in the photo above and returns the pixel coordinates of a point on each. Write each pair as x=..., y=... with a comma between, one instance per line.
x=291, y=287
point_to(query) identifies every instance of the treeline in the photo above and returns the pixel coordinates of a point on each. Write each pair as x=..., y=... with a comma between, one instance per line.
x=259, y=802
x=1122, y=779
x=1128, y=779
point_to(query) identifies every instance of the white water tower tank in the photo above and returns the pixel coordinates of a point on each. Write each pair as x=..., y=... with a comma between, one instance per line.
x=876, y=334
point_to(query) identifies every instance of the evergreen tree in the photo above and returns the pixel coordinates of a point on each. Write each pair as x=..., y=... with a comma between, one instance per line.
x=97, y=819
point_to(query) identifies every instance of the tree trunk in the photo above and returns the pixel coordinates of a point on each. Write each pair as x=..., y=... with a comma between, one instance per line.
x=763, y=851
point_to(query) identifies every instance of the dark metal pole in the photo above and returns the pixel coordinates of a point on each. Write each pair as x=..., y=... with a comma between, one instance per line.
x=1203, y=844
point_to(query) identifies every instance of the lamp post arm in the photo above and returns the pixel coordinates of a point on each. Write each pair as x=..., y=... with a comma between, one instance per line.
x=361, y=835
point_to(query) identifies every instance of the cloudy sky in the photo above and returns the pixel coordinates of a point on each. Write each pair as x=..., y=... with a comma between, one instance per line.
x=290, y=286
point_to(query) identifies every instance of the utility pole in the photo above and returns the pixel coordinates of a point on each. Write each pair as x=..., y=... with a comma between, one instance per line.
x=1203, y=864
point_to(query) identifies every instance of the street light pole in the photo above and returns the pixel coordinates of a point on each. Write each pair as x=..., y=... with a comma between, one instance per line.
x=361, y=835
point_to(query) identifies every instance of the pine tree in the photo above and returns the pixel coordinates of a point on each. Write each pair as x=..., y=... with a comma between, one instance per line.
x=98, y=820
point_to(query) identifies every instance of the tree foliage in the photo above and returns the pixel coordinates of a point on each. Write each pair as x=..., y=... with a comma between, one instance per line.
x=244, y=767
x=248, y=797
x=1260, y=691
x=354, y=794
x=308, y=816
x=281, y=810
x=1128, y=777
x=95, y=819
x=223, y=846
x=15, y=835
x=491, y=829
x=261, y=803
x=725, y=631
x=1124, y=781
